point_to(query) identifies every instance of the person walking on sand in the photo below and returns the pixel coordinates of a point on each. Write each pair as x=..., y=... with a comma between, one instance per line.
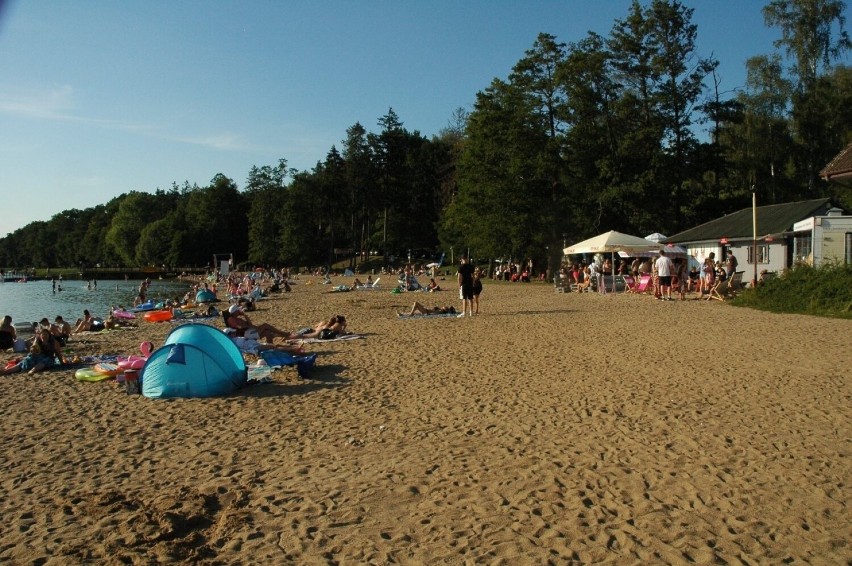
x=465, y=279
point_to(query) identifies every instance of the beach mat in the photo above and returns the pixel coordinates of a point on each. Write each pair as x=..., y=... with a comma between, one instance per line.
x=437, y=315
x=343, y=338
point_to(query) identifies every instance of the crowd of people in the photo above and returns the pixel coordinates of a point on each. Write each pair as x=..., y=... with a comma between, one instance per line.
x=44, y=347
x=666, y=275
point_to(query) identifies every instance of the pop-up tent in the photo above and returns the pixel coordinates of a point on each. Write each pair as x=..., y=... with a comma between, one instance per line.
x=196, y=361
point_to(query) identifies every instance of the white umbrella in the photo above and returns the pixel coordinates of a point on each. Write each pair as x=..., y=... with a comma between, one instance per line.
x=671, y=251
x=656, y=237
x=433, y=264
x=613, y=242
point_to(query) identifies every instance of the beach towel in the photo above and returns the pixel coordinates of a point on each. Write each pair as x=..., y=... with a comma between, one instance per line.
x=340, y=289
x=276, y=359
x=436, y=315
x=344, y=337
x=260, y=374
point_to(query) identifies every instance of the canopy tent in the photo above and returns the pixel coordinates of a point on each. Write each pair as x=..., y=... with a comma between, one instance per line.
x=613, y=242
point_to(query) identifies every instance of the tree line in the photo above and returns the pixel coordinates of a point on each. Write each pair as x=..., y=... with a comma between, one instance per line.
x=581, y=137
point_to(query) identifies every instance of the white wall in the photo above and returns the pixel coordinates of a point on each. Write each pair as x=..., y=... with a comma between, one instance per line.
x=830, y=238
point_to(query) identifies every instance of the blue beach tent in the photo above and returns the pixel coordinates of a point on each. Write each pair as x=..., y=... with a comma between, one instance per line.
x=196, y=361
x=205, y=296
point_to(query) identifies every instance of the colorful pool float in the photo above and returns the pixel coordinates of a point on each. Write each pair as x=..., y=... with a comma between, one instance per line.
x=158, y=316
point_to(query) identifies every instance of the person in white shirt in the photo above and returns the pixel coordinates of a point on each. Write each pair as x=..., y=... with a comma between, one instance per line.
x=665, y=267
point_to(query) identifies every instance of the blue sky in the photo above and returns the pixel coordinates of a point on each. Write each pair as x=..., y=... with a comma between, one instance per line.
x=98, y=98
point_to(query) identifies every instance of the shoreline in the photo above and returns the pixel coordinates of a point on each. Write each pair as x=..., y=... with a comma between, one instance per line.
x=549, y=427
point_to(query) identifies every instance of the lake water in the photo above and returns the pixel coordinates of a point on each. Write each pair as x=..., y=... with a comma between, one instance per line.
x=31, y=301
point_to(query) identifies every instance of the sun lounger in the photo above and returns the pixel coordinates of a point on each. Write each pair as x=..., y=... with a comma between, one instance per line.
x=736, y=280
x=719, y=291
x=630, y=284
x=644, y=281
x=368, y=286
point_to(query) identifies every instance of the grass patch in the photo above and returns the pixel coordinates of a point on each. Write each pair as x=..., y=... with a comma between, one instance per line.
x=823, y=291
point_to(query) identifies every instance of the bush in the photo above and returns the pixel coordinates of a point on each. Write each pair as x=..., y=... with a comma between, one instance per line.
x=823, y=291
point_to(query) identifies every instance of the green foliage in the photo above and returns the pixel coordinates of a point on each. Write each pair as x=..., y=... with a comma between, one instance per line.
x=823, y=291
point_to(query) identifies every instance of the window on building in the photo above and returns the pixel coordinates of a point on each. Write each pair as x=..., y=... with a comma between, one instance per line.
x=762, y=253
x=802, y=247
x=848, y=248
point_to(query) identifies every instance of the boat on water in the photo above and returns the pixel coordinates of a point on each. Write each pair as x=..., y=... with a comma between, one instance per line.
x=13, y=277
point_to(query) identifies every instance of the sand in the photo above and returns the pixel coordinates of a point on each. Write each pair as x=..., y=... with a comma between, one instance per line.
x=551, y=428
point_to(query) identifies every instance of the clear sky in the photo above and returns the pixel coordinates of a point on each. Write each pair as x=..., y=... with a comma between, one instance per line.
x=101, y=97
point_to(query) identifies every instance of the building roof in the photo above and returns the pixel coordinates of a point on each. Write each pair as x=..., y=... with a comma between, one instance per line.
x=840, y=167
x=771, y=219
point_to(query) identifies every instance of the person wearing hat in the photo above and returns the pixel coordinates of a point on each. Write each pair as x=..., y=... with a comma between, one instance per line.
x=236, y=318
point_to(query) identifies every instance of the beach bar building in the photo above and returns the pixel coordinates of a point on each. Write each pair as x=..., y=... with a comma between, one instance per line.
x=811, y=231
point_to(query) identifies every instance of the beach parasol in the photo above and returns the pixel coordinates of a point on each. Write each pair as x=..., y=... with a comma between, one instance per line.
x=671, y=251
x=656, y=237
x=613, y=242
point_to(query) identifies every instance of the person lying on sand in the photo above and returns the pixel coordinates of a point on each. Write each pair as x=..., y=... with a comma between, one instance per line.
x=325, y=329
x=254, y=347
x=418, y=308
x=238, y=320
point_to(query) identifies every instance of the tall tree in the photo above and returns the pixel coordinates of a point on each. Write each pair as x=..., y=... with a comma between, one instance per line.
x=265, y=192
x=359, y=173
x=808, y=36
x=653, y=56
x=537, y=76
x=389, y=149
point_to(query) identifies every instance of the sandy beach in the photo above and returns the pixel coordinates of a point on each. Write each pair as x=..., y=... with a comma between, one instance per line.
x=551, y=428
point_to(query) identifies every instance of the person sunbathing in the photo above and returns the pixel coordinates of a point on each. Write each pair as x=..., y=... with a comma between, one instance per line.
x=84, y=324
x=237, y=319
x=255, y=347
x=325, y=329
x=419, y=308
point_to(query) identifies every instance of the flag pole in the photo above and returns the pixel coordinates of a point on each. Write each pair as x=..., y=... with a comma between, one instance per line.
x=754, y=233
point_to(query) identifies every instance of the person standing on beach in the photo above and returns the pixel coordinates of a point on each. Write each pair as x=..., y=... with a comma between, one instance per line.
x=664, y=273
x=477, y=289
x=465, y=279
x=731, y=264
